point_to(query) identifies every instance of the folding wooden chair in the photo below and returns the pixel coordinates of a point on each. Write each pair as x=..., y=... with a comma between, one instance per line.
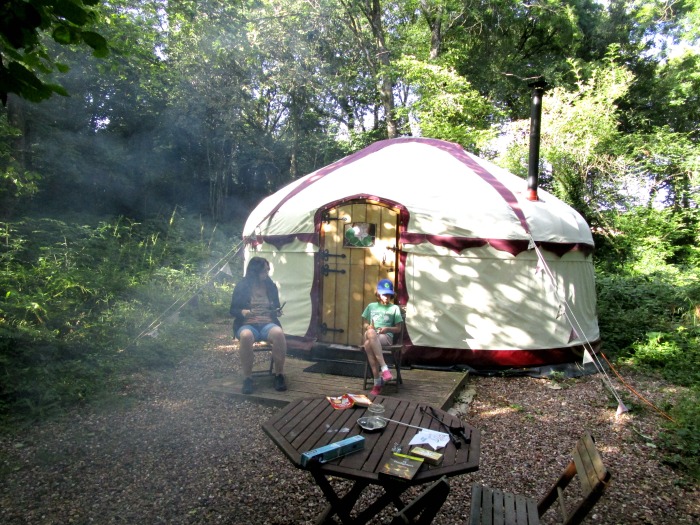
x=494, y=506
x=392, y=356
x=423, y=509
x=261, y=346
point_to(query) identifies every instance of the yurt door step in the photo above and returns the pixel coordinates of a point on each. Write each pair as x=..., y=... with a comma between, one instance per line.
x=359, y=243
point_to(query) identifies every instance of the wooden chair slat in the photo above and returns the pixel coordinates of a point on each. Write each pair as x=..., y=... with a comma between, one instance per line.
x=589, y=464
x=477, y=504
x=509, y=504
x=487, y=511
x=523, y=508
x=562, y=503
x=491, y=506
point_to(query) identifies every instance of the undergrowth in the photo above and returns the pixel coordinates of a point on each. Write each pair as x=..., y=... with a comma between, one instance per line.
x=80, y=297
x=648, y=293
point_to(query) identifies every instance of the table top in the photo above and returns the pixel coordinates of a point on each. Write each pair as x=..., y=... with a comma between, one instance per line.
x=307, y=424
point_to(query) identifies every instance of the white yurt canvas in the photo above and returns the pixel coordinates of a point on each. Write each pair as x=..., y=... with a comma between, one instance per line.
x=454, y=233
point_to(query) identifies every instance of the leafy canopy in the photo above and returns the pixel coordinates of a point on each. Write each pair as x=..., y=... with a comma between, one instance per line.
x=23, y=55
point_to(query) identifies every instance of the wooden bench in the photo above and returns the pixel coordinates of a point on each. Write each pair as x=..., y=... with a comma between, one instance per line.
x=491, y=506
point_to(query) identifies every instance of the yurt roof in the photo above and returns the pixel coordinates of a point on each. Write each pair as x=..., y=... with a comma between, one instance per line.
x=446, y=191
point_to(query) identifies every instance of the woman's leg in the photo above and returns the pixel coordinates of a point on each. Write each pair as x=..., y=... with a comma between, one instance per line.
x=245, y=348
x=279, y=348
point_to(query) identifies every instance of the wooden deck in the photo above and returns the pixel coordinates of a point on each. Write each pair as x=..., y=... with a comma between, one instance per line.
x=437, y=388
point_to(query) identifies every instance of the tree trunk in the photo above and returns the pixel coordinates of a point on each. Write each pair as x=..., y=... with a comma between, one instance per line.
x=433, y=16
x=386, y=89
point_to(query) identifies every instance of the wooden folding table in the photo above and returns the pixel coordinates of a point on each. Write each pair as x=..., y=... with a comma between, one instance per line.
x=307, y=424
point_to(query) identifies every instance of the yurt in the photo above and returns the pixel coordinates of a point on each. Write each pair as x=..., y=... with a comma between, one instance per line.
x=487, y=277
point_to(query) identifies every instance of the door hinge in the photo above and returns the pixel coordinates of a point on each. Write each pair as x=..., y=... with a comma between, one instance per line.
x=327, y=269
x=325, y=254
x=325, y=329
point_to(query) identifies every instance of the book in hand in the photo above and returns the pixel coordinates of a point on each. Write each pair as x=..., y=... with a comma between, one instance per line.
x=401, y=466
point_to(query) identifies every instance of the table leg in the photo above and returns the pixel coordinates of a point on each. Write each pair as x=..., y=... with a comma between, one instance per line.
x=391, y=494
x=343, y=506
x=337, y=505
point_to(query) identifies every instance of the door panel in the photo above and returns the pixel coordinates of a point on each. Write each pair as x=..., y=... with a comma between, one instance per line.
x=358, y=247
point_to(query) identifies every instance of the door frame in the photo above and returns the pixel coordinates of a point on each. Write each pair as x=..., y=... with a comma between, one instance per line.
x=401, y=296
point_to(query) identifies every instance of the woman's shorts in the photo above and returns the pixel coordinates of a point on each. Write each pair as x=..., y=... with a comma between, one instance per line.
x=260, y=332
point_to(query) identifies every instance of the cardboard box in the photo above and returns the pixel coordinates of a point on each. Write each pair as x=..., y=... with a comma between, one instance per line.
x=333, y=450
x=430, y=457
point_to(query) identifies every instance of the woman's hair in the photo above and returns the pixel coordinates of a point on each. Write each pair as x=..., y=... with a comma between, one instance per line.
x=255, y=266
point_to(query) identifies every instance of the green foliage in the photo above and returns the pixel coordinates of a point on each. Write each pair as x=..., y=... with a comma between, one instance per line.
x=445, y=106
x=76, y=297
x=631, y=307
x=578, y=137
x=648, y=287
x=670, y=161
x=647, y=240
x=671, y=352
x=680, y=441
x=15, y=182
x=24, y=58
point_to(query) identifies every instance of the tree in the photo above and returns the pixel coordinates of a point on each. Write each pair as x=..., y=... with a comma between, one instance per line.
x=24, y=57
x=444, y=105
x=216, y=104
x=580, y=159
x=485, y=40
x=16, y=182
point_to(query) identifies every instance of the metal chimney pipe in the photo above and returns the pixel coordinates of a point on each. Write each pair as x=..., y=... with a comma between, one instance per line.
x=533, y=167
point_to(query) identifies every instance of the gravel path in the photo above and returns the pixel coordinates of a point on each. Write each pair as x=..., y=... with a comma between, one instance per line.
x=174, y=453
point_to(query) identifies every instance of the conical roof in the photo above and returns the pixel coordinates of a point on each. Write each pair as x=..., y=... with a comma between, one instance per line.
x=446, y=191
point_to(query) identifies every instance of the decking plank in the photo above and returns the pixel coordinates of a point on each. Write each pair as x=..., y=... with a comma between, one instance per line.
x=437, y=388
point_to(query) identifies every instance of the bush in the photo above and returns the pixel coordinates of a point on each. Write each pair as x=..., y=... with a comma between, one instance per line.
x=78, y=298
x=630, y=307
x=648, y=286
x=680, y=441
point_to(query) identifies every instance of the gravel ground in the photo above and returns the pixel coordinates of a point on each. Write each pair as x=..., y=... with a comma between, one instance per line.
x=174, y=453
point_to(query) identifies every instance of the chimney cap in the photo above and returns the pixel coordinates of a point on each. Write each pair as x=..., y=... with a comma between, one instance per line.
x=537, y=82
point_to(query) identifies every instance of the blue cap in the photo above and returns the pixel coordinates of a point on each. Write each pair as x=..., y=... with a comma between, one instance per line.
x=385, y=287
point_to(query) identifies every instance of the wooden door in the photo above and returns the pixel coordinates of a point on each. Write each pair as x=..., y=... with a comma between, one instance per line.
x=358, y=248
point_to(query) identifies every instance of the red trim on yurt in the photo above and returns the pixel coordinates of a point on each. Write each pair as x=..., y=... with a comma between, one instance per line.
x=486, y=359
x=512, y=246
x=456, y=244
x=325, y=171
